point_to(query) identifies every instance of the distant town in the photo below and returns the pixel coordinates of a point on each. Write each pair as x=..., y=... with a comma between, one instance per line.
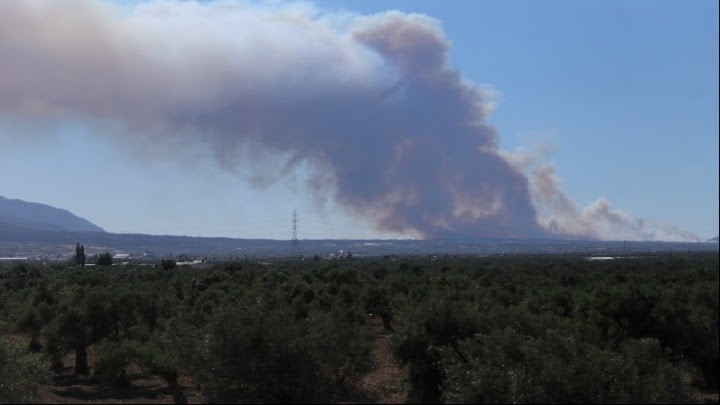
x=136, y=248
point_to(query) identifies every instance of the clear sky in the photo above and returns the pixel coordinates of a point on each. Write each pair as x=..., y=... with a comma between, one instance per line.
x=620, y=97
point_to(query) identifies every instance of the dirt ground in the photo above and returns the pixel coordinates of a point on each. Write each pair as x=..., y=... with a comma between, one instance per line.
x=387, y=384
x=69, y=388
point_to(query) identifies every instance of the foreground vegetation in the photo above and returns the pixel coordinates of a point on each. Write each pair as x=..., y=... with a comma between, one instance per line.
x=476, y=330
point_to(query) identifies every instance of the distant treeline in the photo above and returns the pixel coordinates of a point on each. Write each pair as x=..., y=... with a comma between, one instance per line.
x=523, y=329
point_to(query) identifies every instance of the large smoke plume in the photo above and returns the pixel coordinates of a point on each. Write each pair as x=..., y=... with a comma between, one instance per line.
x=367, y=102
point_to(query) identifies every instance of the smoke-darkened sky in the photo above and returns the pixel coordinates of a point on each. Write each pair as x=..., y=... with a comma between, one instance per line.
x=591, y=120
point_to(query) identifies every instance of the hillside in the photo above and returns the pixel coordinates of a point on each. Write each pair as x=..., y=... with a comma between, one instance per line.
x=18, y=214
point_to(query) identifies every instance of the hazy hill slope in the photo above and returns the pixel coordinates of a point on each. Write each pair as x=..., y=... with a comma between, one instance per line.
x=23, y=214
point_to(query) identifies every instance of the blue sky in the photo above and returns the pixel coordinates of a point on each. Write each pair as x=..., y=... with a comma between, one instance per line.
x=621, y=97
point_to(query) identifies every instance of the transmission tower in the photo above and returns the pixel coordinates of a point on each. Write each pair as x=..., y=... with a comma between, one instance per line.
x=294, y=245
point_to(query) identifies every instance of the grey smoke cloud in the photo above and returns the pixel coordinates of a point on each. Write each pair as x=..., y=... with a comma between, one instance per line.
x=559, y=215
x=369, y=103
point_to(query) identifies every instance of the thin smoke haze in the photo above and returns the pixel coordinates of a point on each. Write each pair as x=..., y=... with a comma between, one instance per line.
x=368, y=103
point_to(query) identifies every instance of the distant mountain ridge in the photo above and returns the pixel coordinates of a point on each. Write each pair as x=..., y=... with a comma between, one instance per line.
x=19, y=214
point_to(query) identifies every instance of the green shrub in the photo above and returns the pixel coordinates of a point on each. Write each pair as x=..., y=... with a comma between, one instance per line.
x=504, y=367
x=21, y=373
x=111, y=361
